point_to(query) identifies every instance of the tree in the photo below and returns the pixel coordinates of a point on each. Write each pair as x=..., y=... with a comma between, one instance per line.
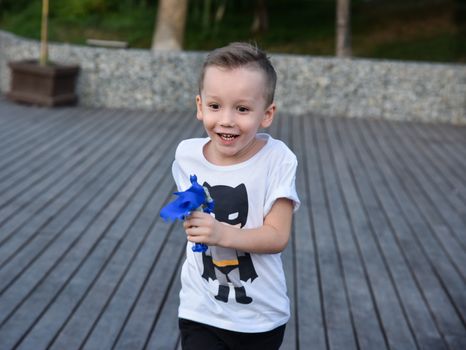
x=260, y=23
x=343, y=28
x=170, y=24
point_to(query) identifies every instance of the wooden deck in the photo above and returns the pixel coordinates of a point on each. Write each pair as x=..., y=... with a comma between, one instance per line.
x=377, y=258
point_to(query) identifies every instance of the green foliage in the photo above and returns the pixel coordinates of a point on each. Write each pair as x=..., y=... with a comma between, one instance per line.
x=398, y=29
x=24, y=22
x=440, y=48
x=73, y=8
x=12, y=5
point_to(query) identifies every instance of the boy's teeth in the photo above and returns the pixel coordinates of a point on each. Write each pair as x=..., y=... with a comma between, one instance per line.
x=227, y=136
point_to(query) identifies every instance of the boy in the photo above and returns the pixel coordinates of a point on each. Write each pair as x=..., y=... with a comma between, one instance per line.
x=233, y=296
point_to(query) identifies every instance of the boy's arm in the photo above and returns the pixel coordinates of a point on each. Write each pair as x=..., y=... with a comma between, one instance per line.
x=271, y=237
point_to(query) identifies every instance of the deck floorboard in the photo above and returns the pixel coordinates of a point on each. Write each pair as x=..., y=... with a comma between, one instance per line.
x=376, y=259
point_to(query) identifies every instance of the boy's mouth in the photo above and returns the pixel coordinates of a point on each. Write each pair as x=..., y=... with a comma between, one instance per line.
x=227, y=137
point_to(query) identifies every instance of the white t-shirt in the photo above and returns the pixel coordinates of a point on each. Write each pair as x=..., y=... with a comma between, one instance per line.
x=223, y=287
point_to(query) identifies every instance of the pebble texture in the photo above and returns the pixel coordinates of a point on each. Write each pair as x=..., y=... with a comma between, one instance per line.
x=133, y=78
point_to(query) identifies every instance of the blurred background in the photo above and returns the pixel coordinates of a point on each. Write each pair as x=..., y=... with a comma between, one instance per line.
x=420, y=30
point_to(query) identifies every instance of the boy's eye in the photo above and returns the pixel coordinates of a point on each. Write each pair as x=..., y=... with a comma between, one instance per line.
x=243, y=109
x=214, y=106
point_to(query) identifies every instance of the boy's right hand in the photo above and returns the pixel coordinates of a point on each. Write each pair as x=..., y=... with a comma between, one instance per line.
x=203, y=228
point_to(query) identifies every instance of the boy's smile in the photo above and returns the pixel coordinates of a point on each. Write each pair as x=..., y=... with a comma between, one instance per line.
x=232, y=108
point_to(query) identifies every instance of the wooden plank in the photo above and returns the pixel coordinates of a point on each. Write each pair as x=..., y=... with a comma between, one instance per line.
x=23, y=160
x=396, y=329
x=147, y=309
x=20, y=171
x=68, y=181
x=114, y=316
x=115, y=204
x=142, y=320
x=165, y=334
x=90, y=308
x=440, y=303
x=420, y=167
x=107, y=43
x=95, y=268
x=47, y=173
x=50, y=320
x=84, y=183
x=13, y=123
x=380, y=230
x=452, y=188
x=449, y=174
x=441, y=227
x=453, y=142
x=413, y=253
x=339, y=322
x=364, y=311
x=32, y=307
x=282, y=128
x=39, y=223
x=21, y=124
x=411, y=299
x=311, y=332
x=40, y=134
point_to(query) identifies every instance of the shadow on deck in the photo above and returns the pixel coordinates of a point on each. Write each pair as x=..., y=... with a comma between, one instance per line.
x=377, y=258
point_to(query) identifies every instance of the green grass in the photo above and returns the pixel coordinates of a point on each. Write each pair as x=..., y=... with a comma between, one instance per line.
x=441, y=48
x=406, y=30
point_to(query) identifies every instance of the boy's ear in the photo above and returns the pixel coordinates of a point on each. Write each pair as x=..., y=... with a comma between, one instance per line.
x=268, y=115
x=199, y=107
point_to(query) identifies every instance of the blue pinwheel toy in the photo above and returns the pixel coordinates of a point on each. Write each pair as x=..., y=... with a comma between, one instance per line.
x=194, y=198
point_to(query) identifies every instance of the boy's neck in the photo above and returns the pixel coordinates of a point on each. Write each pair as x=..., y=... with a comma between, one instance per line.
x=211, y=156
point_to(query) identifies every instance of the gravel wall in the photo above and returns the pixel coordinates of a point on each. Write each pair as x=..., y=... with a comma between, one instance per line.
x=325, y=86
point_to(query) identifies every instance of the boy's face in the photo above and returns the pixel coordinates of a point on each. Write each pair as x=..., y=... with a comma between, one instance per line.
x=232, y=108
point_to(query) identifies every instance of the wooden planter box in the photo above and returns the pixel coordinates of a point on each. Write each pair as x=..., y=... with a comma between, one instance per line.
x=49, y=85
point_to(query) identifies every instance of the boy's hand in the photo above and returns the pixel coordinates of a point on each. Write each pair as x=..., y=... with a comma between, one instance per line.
x=272, y=237
x=202, y=228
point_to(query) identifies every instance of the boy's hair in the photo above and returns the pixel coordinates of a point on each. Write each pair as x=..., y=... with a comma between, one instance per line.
x=238, y=54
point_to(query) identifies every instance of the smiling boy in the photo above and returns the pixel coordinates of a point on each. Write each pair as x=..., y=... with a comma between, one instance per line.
x=234, y=295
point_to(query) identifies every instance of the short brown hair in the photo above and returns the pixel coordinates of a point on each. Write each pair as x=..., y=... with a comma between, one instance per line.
x=240, y=54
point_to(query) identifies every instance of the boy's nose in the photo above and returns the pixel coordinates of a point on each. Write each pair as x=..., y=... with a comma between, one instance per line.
x=227, y=118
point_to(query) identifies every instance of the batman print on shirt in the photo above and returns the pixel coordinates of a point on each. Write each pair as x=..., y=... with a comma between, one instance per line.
x=229, y=266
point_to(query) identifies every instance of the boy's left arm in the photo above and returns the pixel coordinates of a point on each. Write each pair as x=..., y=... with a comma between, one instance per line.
x=272, y=237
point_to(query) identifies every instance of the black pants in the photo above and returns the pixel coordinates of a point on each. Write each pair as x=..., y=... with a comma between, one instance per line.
x=199, y=336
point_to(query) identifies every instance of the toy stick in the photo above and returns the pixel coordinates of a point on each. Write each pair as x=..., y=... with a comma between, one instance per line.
x=194, y=198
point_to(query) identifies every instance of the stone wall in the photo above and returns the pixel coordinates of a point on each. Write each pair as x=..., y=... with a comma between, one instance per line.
x=324, y=86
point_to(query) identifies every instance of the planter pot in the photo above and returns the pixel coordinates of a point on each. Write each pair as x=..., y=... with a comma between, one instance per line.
x=49, y=85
